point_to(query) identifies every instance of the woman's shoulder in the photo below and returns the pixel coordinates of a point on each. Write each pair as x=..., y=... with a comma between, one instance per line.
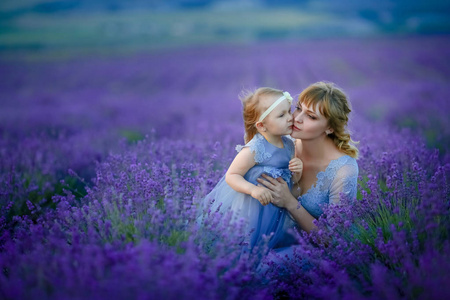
x=345, y=158
x=349, y=161
x=345, y=166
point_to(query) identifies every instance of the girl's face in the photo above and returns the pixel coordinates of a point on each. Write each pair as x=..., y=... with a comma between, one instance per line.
x=309, y=123
x=279, y=120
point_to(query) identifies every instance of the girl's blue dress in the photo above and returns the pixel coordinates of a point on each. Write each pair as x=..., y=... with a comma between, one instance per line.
x=261, y=220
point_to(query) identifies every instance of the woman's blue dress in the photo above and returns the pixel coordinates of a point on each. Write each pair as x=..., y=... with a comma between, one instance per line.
x=339, y=179
x=261, y=220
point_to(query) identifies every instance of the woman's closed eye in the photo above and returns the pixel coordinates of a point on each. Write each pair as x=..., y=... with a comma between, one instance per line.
x=309, y=115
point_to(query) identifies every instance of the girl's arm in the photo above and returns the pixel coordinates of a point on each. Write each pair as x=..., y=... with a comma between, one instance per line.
x=296, y=167
x=282, y=197
x=296, y=164
x=243, y=161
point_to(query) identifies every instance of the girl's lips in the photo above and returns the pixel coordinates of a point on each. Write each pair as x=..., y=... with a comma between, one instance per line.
x=295, y=128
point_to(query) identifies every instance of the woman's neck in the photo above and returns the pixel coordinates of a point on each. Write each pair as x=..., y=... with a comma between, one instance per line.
x=275, y=140
x=317, y=149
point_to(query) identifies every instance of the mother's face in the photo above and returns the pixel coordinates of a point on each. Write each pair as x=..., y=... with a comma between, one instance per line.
x=309, y=123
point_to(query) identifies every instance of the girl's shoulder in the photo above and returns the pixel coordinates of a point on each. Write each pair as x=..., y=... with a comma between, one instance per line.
x=257, y=145
x=288, y=139
x=252, y=144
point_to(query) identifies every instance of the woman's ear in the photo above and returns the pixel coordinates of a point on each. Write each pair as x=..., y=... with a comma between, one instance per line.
x=329, y=131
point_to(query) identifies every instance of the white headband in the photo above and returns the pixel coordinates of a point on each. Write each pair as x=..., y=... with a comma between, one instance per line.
x=286, y=96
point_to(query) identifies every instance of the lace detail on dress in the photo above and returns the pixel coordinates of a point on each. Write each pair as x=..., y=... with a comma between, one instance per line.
x=275, y=173
x=350, y=187
x=256, y=146
x=339, y=177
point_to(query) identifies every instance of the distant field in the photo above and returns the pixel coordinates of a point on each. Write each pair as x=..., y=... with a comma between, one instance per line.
x=69, y=34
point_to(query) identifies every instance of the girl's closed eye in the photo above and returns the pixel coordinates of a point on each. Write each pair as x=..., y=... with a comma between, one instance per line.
x=312, y=117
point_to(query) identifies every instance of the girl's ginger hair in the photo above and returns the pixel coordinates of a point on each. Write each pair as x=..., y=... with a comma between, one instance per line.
x=334, y=105
x=252, y=109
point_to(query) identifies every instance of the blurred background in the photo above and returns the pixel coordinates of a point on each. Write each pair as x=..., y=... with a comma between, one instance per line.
x=76, y=27
x=77, y=76
x=137, y=102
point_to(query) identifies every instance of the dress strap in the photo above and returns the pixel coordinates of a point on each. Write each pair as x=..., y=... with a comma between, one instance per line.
x=289, y=144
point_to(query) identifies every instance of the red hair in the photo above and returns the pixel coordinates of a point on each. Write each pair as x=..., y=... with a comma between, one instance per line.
x=252, y=109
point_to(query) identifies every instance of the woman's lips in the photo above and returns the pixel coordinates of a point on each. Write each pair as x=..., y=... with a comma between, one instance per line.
x=295, y=128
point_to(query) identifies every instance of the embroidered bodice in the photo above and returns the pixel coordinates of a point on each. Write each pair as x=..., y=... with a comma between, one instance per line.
x=340, y=176
x=269, y=158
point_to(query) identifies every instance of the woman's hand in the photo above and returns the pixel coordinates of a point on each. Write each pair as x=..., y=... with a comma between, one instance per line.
x=283, y=198
x=281, y=195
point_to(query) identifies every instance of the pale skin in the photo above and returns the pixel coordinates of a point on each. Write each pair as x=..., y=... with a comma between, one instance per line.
x=273, y=127
x=315, y=149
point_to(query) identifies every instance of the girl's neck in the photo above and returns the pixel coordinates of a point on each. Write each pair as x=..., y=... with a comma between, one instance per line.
x=275, y=140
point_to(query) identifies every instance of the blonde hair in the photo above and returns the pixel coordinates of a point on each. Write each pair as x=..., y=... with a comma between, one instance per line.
x=334, y=105
x=252, y=109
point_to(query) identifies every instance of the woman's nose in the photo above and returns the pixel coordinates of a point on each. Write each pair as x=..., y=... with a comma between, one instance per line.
x=298, y=117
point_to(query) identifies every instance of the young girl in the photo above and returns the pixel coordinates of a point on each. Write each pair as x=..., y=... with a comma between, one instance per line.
x=267, y=119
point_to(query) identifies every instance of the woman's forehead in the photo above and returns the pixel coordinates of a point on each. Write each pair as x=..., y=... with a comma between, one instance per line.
x=315, y=107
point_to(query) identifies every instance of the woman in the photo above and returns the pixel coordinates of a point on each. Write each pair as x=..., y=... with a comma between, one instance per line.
x=329, y=160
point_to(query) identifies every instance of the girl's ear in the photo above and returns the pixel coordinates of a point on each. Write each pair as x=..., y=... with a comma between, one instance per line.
x=329, y=131
x=260, y=126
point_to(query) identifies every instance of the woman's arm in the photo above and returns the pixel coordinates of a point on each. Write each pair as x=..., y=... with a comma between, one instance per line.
x=282, y=197
x=296, y=190
x=243, y=161
x=345, y=182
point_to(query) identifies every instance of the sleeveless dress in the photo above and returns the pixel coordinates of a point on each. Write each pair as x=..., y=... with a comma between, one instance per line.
x=261, y=220
x=340, y=177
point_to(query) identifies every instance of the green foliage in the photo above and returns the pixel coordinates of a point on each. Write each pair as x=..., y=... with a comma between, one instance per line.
x=383, y=218
x=36, y=190
x=132, y=136
x=175, y=239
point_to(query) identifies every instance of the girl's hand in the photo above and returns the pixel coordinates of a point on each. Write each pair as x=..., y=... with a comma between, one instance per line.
x=281, y=195
x=296, y=167
x=262, y=194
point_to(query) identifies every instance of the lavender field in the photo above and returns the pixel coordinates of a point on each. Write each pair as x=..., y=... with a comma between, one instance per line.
x=105, y=159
